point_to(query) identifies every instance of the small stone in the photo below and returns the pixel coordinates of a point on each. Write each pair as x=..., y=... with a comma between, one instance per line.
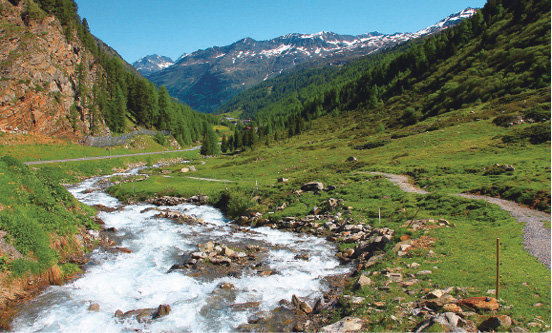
x=405, y=237
x=347, y=324
x=413, y=265
x=349, y=252
x=356, y=300
x=123, y=249
x=379, y=304
x=162, y=310
x=480, y=303
x=494, y=323
x=352, y=159
x=301, y=305
x=265, y=273
x=118, y=313
x=226, y=285
x=363, y=281
x=228, y=251
x=312, y=186
x=538, y=305
x=435, y=294
x=245, y=306
x=427, y=272
x=54, y=275
x=94, y=307
x=452, y=308
x=283, y=180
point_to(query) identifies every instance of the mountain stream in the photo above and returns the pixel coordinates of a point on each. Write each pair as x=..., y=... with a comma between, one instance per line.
x=143, y=279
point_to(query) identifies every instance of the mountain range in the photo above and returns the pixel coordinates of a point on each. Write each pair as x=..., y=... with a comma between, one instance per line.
x=206, y=79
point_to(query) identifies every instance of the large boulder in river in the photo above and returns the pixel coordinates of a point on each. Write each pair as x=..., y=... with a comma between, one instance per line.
x=312, y=186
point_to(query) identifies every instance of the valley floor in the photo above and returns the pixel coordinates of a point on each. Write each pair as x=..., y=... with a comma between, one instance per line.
x=450, y=160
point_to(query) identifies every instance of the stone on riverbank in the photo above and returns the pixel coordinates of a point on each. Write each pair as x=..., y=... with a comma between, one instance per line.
x=347, y=324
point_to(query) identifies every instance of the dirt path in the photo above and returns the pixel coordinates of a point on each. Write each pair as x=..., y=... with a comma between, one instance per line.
x=402, y=182
x=212, y=180
x=536, y=237
x=108, y=157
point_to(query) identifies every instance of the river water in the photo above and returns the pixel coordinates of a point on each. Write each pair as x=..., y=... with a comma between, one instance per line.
x=140, y=279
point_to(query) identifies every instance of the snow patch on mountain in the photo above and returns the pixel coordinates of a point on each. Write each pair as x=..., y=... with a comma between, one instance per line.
x=152, y=63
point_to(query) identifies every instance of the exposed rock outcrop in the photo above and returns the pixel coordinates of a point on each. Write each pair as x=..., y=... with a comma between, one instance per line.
x=41, y=73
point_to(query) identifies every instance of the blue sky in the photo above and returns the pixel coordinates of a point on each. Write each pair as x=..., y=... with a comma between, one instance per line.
x=136, y=28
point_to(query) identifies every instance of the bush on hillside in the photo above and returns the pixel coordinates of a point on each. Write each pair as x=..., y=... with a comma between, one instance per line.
x=535, y=134
x=160, y=138
x=410, y=116
x=537, y=115
x=506, y=120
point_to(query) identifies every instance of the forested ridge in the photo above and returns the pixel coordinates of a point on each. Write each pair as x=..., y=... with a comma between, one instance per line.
x=501, y=52
x=122, y=97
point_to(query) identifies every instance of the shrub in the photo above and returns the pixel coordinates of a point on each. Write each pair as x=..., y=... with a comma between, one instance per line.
x=506, y=120
x=373, y=144
x=32, y=13
x=535, y=134
x=160, y=138
x=410, y=116
x=233, y=203
x=537, y=115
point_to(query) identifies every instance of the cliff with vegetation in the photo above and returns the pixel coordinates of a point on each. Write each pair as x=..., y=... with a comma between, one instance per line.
x=46, y=77
x=59, y=80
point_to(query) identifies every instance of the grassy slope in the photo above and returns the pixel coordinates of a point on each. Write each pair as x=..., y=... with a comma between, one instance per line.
x=34, y=211
x=453, y=159
x=35, y=151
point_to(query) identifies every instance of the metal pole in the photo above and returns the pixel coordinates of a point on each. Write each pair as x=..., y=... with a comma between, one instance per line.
x=379, y=215
x=497, y=265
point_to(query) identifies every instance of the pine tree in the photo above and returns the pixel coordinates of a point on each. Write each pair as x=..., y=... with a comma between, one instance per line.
x=209, y=145
x=117, y=111
x=224, y=144
x=165, y=109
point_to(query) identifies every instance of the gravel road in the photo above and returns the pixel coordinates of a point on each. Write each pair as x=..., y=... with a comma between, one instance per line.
x=536, y=237
x=107, y=157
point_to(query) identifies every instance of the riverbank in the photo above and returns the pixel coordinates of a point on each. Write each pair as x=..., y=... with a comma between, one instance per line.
x=15, y=291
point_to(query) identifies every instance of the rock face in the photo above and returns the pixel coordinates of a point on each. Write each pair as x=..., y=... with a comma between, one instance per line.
x=41, y=71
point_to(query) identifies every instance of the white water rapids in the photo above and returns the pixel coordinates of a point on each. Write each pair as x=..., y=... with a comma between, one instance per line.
x=140, y=279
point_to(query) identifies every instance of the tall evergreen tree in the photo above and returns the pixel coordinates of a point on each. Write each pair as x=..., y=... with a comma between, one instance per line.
x=224, y=144
x=209, y=145
x=165, y=109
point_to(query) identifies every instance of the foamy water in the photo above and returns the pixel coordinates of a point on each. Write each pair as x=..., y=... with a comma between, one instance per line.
x=140, y=279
